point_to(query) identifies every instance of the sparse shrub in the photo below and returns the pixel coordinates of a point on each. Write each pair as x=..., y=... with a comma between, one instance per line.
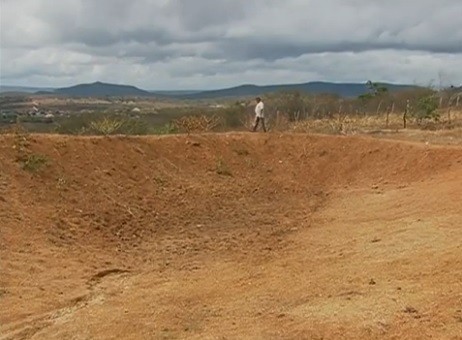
x=242, y=152
x=328, y=126
x=102, y=124
x=111, y=124
x=134, y=127
x=106, y=126
x=222, y=169
x=166, y=129
x=34, y=162
x=75, y=124
x=234, y=115
x=281, y=122
x=160, y=181
x=28, y=160
x=427, y=109
x=201, y=123
x=249, y=119
x=293, y=103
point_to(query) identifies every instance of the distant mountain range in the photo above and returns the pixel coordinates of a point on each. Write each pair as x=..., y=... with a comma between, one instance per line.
x=100, y=89
x=23, y=89
x=340, y=89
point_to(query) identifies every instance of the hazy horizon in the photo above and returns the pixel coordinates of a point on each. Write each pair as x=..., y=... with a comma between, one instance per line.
x=182, y=90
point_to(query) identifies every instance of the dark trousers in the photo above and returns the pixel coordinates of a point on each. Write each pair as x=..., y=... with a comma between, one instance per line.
x=257, y=122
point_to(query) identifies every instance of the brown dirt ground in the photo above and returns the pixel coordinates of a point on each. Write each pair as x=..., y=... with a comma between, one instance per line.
x=230, y=236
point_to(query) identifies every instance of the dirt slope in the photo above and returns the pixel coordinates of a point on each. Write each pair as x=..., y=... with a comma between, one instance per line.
x=232, y=236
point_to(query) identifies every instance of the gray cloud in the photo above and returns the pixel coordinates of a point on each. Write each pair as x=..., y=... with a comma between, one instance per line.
x=196, y=16
x=217, y=43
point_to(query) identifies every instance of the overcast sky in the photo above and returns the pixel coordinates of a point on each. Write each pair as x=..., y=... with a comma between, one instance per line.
x=205, y=44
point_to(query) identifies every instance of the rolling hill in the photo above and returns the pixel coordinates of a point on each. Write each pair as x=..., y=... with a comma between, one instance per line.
x=340, y=89
x=100, y=89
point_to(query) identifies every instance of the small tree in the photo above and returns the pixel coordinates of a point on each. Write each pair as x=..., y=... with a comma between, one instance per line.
x=376, y=94
x=376, y=89
x=427, y=109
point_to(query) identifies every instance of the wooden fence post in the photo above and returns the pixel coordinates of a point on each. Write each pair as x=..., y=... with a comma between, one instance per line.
x=406, y=111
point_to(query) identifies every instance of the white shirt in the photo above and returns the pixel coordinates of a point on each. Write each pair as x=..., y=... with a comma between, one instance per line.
x=259, y=110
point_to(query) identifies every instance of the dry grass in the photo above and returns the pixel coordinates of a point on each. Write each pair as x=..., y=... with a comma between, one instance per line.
x=203, y=123
x=344, y=124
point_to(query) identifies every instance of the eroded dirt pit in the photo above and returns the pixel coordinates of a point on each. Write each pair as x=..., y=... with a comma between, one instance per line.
x=229, y=236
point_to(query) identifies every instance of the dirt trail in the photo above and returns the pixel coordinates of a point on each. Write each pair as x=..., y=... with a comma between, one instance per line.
x=229, y=236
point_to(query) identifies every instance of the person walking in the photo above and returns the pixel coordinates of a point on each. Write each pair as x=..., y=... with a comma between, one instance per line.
x=259, y=115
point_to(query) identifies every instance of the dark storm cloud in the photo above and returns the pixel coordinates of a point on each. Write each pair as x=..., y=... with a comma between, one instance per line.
x=274, y=50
